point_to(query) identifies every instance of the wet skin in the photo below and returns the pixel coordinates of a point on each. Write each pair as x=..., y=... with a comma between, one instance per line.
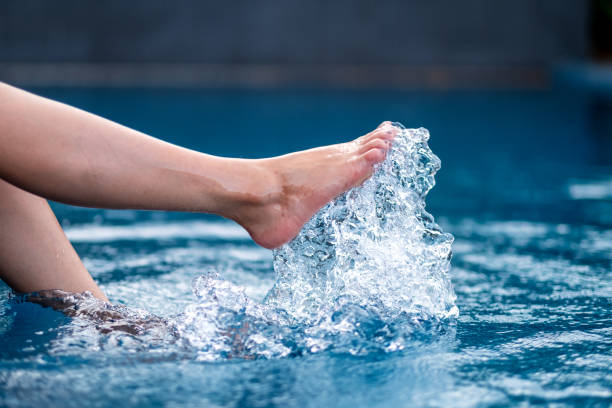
x=49, y=150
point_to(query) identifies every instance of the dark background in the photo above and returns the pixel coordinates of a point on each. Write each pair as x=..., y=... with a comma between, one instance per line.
x=296, y=31
x=437, y=43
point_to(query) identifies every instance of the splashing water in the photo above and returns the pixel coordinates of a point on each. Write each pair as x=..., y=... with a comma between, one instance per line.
x=367, y=272
x=374, y=246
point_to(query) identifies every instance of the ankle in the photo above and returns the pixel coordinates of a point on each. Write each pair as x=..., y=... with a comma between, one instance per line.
x=252, y=187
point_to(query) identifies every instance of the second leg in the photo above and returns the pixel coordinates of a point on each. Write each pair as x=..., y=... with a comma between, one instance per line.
x=35, y=254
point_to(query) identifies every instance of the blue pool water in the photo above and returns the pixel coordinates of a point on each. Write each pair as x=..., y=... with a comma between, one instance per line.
x=525, y=188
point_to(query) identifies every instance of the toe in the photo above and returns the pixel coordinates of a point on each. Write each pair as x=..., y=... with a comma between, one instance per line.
x=366, y=162
x=376, y=143
x=387, y=133
x=374, y=156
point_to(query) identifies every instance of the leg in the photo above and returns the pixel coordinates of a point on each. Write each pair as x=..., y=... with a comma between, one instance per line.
x=34, y=252
x=65, y=154
x=68, y=155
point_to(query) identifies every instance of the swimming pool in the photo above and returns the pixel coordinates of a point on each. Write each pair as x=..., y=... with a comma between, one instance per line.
x=525, y=188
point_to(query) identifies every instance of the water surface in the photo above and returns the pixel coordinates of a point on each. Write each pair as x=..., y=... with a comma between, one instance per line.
x=525, y=188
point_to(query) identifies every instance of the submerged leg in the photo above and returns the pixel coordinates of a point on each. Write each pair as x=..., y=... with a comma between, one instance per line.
x=34, y=252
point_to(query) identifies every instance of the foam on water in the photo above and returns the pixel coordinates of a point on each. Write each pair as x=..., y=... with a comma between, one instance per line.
x=367, y=272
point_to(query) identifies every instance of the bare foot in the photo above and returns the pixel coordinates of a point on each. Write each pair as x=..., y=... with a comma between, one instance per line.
x=307, y=180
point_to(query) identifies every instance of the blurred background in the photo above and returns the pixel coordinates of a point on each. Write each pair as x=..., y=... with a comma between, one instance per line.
x=515, y=93
x=440, y=44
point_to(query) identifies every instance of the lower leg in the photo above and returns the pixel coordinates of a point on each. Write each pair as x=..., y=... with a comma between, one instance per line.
x=34, y=251
x=68, y=155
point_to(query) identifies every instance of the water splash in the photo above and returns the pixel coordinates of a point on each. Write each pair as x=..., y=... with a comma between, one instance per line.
x=375, y=246
x=368, y=272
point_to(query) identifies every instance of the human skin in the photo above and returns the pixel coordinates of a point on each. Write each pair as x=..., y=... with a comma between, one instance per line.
x=49, y=150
